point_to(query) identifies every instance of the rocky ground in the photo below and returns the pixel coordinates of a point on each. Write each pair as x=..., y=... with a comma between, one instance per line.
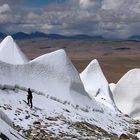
x=85, y=131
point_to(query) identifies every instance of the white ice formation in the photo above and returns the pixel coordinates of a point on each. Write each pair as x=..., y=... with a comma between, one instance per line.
x=127, y=93
x=10, y=52
x=96, y=84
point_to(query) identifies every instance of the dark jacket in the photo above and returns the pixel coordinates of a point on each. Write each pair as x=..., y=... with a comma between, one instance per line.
x=30, y=94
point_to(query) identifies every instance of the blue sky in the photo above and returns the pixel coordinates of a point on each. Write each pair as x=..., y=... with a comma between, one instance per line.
x=109, y=18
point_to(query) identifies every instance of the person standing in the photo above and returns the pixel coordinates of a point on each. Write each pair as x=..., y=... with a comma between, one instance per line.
x=29, y=97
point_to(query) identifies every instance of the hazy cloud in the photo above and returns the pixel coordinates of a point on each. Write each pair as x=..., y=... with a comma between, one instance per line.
x=4, y=8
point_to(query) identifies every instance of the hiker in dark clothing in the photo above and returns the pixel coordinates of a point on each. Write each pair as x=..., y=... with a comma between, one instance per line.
x=30, y=97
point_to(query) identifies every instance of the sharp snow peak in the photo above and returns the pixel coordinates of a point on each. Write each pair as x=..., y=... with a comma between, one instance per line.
x=11, y=53
x=95, y=82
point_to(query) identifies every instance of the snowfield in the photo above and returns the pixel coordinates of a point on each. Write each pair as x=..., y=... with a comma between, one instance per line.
x=59, y=116
x=7, y=132
x=62, y=109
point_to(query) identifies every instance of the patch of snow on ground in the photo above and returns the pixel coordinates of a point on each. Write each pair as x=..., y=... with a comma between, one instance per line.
x=9, y=132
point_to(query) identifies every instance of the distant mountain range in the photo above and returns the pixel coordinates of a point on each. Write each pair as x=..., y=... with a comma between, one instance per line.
x=22, y=35
x=134, y=38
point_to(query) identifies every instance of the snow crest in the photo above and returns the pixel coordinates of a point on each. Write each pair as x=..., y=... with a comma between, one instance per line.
x=95, y=82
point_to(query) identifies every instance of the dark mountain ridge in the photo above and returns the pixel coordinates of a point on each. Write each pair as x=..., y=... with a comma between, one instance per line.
x=22, y=35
